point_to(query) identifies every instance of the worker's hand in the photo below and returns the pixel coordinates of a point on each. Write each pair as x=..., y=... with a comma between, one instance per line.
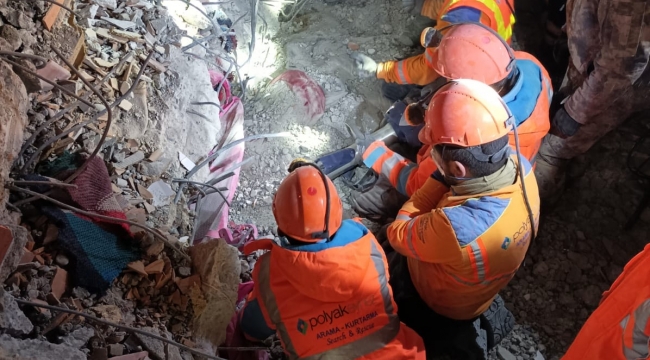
x=414, y=6
x=367, y=67
x=563, y=125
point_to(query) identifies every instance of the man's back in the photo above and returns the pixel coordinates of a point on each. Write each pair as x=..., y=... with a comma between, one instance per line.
x=463, y=249
x=333, y=299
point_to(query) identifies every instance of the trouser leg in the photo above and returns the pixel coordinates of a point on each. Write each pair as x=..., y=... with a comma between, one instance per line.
x=443, y=337
x=554, y=154
x=381, y=203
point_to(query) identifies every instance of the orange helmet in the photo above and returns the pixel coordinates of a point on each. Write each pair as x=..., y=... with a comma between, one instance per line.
x=465, y=113
x=469, y=51
x=301, y=208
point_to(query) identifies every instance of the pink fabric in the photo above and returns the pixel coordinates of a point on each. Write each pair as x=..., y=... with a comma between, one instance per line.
x=239, y=236
x=235, y=337
x=225, y=96
x=214, y=211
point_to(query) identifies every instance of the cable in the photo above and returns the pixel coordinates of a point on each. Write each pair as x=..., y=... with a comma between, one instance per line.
x=138, y=331
x=523, y=185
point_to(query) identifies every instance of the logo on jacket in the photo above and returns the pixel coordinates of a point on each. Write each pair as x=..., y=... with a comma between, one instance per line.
x=302, y=326
x=506, y=243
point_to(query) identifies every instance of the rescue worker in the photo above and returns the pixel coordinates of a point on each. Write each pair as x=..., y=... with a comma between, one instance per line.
x=468, y=51
x=419, y=69
x=325, y=289
x=620, y=327
x=499, y=15
x=464, y=234
x=608, y=80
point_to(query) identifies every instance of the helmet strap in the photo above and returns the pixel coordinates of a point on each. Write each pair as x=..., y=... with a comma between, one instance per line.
x=505, y=85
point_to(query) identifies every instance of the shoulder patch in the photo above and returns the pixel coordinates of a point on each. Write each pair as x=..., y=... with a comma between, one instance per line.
x=472, y=218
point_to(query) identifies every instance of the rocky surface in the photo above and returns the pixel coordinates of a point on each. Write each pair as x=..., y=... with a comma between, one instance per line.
x=11, y=348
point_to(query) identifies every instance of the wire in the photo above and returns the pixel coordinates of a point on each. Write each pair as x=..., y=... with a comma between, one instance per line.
x=138, y=331
x=60, y=114
x=62, y=6
x=523, y=185
x=224, y=148
x=103, y=217
x=203, y=184
x=47, y=183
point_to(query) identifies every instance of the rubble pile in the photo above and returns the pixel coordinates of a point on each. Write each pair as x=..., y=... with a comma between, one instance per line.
x=128, y=55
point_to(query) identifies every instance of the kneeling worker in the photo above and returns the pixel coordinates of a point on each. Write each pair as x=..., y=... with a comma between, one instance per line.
x=325, y=290
x=464, y=234
x=465, y=51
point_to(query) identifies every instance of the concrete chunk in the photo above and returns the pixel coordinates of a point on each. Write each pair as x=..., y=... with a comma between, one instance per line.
x=12, y=243
x=133, y=159
x=12, y=320
x=36, y=350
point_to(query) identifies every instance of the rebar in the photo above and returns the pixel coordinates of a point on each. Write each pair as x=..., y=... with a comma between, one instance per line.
x=224, y=148
x=138, y=331
x=72, y=106
x=103, y=217
x=47, y=183
x=207, y=103
x=63, y=6
x=203, y=184
x=109, y=119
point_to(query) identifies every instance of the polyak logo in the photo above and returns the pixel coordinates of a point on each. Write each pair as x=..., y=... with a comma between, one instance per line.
x=302, y=326
x=506, y=243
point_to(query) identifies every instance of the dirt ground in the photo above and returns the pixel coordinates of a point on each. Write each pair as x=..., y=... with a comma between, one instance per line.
x=581, y=246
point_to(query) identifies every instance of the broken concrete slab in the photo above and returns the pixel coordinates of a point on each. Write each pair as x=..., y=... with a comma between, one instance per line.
x=79, y=337
x=12, y=320
x=162, y=193
x=12, y=247
x=156, y=347
x=36, y=350
x=13, y=118
x=131, y=160
x=142, y=355
x=219, y=267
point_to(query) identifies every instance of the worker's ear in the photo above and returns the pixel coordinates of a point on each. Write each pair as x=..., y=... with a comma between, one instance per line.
x=456, y=169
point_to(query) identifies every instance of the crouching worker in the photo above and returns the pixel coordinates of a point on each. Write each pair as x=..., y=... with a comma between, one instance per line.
x=465, y=51
x=463, y=235
x=325, y=289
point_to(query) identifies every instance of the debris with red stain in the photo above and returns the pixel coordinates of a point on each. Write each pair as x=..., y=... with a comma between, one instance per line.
x=306, y=89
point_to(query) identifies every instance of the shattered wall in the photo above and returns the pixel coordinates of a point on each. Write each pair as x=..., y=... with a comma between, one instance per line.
x=13, y=119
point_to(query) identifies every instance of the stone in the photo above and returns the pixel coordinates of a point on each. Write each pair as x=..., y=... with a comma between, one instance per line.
x=61, y=260
x=219, y=267
x=142, y=355
x=109, y=4
x=115, y=349
x=131, y=160
x=79, y=337
x=156, y=348
x=591, y=295
x=184, y=271
x=405, y=40
x=12, y=245
x=30, y=81
x=59, y=282
x=12, y=35
x=371, y=51
x=13, y=118
x=539, y=356
x=541, y=268
x=504, y=354
x=121, y=182
x=11, y=348
x=12, y=320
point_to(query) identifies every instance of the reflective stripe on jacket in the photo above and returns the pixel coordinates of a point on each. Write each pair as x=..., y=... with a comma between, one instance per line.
x=619, y=329
x=418, y=69
x=463, y=249
x=530, y=104
x=332, y=300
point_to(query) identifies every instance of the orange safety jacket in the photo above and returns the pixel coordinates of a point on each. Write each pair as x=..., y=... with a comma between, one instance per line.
x=463, y=249
x=497, y=14
x=407, y=177
x=619, y=329
x=331, y=300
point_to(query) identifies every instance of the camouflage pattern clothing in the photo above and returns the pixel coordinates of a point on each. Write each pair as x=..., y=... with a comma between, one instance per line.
x=608, y=78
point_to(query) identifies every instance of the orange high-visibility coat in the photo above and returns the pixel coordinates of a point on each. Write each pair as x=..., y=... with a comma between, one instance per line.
x=463, y=249
x=619, y=329
x=497, y=14
x=332, y=300
x=407, y=177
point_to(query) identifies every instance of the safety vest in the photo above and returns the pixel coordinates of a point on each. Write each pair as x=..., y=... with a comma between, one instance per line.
x=619, y=329
x=499, y=12
x=364, y=326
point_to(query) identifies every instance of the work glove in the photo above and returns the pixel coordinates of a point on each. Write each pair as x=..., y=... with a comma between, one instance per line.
x=367, y=67
x=413, y=6
x=563, y=125
x=298, y=162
